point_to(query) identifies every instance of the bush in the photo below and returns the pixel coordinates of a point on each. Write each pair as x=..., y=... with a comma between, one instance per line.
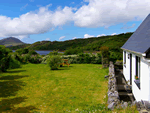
x=44, y=59
x=54, y=61
x=4, y=58
x=53, y=53
x=13, y=63
x=73, y=51
x=22, y=51
x=32, y=52
x=35, y=59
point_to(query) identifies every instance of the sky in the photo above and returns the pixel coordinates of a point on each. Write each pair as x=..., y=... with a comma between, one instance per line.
x=60, y=20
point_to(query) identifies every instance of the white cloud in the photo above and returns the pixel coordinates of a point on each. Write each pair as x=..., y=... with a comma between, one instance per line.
x=113, y=34
x=101, y=35
x=47, y=39
x=74, y=37
x=101, y=13
x=88, y=36
x=128, y=27
x=62, y=37
x=97, y=13
x=36, y=22
x=21, y=36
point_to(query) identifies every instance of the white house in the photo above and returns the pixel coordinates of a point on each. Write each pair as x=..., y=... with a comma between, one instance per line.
x=136, y=60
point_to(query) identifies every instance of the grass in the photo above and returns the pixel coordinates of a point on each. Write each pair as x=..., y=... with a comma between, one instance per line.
x=36, y=88
x=80, y=88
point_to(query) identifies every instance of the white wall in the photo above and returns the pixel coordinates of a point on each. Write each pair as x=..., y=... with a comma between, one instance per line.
x=145, y=82
x=144, y=92
x=126, y=69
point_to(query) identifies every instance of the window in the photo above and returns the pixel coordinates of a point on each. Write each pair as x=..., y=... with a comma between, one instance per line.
x=138, y=67
x=124, y=57
x=137, y=71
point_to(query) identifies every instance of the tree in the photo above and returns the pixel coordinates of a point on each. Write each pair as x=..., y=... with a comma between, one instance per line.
x=104, y=50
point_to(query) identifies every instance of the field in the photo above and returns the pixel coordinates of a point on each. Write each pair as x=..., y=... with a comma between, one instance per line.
x=35, y=88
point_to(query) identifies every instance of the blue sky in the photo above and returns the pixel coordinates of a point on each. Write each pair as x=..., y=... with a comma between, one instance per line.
x=60, y=20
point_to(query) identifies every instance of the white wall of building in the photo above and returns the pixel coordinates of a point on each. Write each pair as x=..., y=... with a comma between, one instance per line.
x=145, y=82
x=126, y=67
x=144, y=92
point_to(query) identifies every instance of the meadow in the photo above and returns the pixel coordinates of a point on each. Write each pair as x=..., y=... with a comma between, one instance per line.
x=35, y=88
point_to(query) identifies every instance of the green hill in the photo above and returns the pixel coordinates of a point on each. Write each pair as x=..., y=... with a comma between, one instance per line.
x=89, y=44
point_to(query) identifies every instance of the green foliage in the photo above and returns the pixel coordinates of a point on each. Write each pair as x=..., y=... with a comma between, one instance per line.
x=22, y=51
x=32, y=52
x=35, y=59
x=54, y=61
x=83, y=58
x=13, y=63
x=4, y=58
x=73, y=51
x=54, y=52
x=44, y=59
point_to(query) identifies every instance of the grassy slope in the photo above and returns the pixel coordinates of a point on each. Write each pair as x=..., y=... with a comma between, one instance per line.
x=34, y=87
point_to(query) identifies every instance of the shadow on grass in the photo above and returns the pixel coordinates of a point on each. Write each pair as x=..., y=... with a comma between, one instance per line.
x=15, y=71
x=12, y=77
x=8, y=88
x=7, y=105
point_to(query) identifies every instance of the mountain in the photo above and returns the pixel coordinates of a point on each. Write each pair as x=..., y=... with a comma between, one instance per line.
x=88, y=44
x=11, y=41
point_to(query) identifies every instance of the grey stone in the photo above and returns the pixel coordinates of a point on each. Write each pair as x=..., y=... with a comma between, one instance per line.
x=125, y=104
x=147, y=105
x=138, y=106
x=112, y=105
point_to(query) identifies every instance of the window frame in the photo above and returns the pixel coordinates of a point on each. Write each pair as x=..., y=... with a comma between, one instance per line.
x=124, y=57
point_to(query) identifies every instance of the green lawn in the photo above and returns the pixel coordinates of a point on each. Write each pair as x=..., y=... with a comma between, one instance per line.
x=35, y=88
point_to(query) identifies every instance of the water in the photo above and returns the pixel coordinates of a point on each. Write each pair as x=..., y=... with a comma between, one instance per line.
x=42, y=52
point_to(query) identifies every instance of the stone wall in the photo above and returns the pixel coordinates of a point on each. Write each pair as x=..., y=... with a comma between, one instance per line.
x=113, y=94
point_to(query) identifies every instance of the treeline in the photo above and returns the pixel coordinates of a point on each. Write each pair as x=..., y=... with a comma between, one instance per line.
x=89, y=44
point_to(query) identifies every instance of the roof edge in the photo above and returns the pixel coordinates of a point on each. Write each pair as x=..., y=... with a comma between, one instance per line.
x=143, y=54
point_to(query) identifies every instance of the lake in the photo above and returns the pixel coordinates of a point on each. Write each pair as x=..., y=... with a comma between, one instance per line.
x=42, y=52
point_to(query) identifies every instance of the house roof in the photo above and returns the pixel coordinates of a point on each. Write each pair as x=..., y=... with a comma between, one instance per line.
x=140, y=39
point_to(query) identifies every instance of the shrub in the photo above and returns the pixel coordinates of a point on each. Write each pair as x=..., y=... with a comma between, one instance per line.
x=73, y=51
x=32, y=52
x=13, y=63
x=22, y=51
x=35, y=59
x=44, y=59
x=4, y=58
x=53, y=53
x=54, y=61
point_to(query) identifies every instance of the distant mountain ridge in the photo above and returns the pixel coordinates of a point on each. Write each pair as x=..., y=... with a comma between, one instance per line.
x=11, y=41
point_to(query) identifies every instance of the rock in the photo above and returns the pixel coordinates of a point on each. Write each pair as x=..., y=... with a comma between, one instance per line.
x=138, y=106
x=147, y=105
x=112, y=99
x=115, y=94
x=125, y=104
x=112, y=105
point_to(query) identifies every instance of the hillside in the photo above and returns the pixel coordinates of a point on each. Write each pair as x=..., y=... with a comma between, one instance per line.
x=10, y=41
x=89, y=44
